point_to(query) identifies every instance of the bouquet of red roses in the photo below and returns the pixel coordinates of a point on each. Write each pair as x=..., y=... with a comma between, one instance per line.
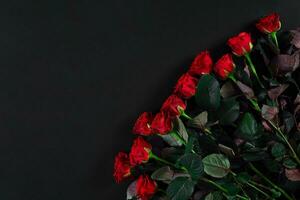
x=229, y=130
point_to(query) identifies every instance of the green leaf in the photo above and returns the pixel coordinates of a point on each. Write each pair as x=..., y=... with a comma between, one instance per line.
x=217, y=195
x=199, y=121
x=163, y=174
x=278, y=150
x=248, y=128
x=180, y=188
x=288, y=120
x=193, y=145
x=228, y=90
x=289, y=163
x=229, y=111
x=193, y=164
x=172, y=141
x=180, y=128
x=208, y=93
x=243, y=177
x=216, y=165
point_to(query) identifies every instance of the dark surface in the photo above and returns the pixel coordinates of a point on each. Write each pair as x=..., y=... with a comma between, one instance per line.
x=74, y=75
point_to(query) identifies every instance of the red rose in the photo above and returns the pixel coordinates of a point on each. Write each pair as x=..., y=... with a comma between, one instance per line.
x=122, y=167
x=145, y=187
x=186, y=86
x=269, y=24
x=224, y=66
x=240, y=44
x=173, y=105
x=139, y=151
x=202, y=64
x=161, y=123
x=142, y=124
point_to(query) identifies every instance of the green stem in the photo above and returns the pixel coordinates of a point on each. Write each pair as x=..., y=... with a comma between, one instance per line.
x=175, y=135
x=155, y=157
x=183, y=114
x=231, y=77
x=274, y=38
x=215, y=184
x=252, y=101
x=278, y=130
x=259, y=190
x=255, y=105
x=253, y=70
x=221, y=187
x=261, y=185
x=270, y=182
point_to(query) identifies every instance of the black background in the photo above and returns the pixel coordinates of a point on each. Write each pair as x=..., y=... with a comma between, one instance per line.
x=74, y=75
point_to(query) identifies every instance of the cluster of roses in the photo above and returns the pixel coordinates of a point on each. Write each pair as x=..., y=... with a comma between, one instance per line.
x=175, y=105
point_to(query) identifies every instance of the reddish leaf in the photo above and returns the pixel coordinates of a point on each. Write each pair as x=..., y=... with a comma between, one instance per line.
x=247, y=91
x=269, y=112
x=276, y=92
x=293, y=174
x=284, y=63
x=296, y=37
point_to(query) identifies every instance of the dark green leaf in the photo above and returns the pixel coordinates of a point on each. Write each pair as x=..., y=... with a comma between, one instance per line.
x=163, y=174
x=278, y=150
x=216, y=165
x=243, y=177
x=208, y=93
x=289, y=163
x=180, y=128
x=226, y=150
x=248, y=128
x=288, y=120
x=180, y=188
x=217, y=195
x=193, y=164
x=172, y=141
x=193, y=145
x=199, y=121
x=227, y=90
x=229, y=111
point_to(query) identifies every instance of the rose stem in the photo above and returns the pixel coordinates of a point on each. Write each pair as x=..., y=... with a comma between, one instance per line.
x=270, y=182
x=252, y=101
x=152, y=155
x=220, y=187
x=286, y=141
x=175, y=135
x=251, y=185
x=274, y=37
x=183, y=114
x=259, y=190
x=248, y=58
x=257, y=108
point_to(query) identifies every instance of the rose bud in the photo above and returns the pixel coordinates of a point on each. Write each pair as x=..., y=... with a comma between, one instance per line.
x=122, y=167
x=269, y=24
x=161, y=123
x=224, y=66
x=145, y=187
x=202, y=64
x=173, y=106
x=186, y=86
x=140, y=151
x=142, y=124
x=240, y=44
